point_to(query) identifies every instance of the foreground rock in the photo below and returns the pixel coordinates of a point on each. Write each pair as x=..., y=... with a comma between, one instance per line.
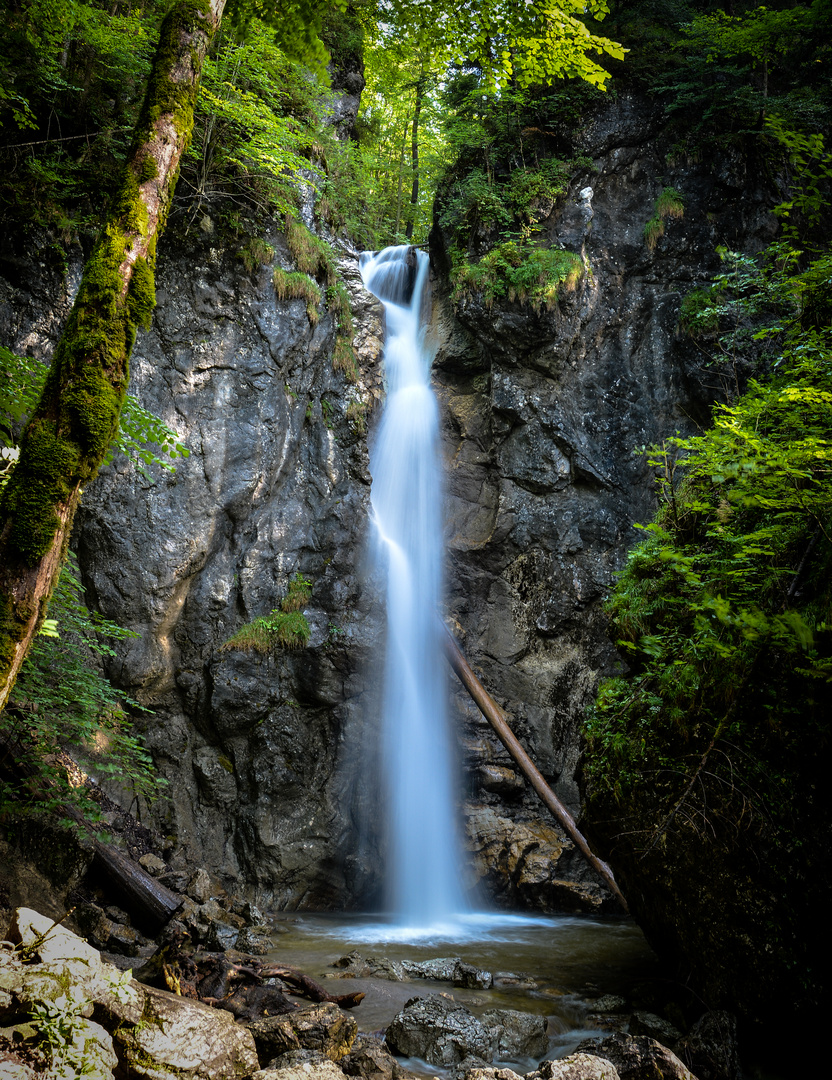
x=576, y=1067
x=109, y=1020
x=637, y=1057
x=516, y=1034
x=710, y=1047
x=371, y=1060
x=438, y=1030
x=324, y=1027
x=304, y=1070
x=449, y=969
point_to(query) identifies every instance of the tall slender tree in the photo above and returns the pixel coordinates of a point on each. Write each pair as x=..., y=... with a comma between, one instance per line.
x=76, y=420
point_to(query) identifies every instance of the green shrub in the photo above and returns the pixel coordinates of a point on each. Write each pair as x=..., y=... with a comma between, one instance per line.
x=292, y=285
x=518, y=271
x=285, y=626
x=698, y=315
x=312, y=255
x=300, y=591
x=670, y=204
x=256, y=253
x=357, y=416
x=64, y=715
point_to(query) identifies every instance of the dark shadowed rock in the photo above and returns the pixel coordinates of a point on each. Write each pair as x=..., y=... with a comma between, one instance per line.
x=516, y=1033
x=323, y=1027
x=440, y=1031
x=637, y=1057
x=710, y=1047
x=371, y=1060
x=656, y=1027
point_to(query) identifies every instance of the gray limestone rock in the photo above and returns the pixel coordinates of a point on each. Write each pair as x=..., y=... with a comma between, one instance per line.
x=153, y=864
x=199, y=886
x=303, y=1070
x=515, y=1033
x=324, y=1028
x=637, y=1057
x=255, y=940
x=577, y=1066
x=438, y=1030
x=541, y=412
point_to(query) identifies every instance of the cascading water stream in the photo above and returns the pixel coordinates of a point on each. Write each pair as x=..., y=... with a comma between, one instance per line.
x=424, y=861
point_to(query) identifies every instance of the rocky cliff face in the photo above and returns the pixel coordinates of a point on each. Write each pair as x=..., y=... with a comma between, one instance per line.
x=269, y=758
x=545, y=416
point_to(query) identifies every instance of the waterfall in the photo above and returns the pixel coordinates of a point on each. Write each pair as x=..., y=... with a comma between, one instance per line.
x=424, y=862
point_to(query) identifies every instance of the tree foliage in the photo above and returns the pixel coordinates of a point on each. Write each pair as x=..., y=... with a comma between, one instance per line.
x=65, y=720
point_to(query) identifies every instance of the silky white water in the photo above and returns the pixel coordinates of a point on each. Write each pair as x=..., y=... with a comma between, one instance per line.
x=424, y=863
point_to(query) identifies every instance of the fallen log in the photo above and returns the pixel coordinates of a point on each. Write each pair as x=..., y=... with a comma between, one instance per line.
x=308, y=988
x=496, y=718
x=147, y=899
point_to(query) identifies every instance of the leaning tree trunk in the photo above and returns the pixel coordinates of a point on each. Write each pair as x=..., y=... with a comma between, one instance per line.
x=414, y=150
x=77, y=416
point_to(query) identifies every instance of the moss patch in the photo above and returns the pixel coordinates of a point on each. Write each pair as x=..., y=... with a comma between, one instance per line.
x=290, y=285
x=670, y=204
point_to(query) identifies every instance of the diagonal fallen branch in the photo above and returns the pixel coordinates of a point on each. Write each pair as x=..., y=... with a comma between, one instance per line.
x=496, y=718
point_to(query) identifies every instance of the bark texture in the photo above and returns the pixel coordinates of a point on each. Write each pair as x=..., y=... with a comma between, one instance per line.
x=77, y=417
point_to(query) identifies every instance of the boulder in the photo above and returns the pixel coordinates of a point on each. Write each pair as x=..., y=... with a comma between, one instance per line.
x=438, y=1030
x=515, y=980
x=516, y=1034
x=110, y=1016
x=354, y=965
x=199, y=886
x=273, y=1036
x=462, y=1068
x=254, y=940
x=306, y=1070
x=576, y=1067
x=178, y=1038
x=491, y=1073
x=12, y=1068
x=637, y=1057
x=609, y=1003
x=371, y=1060
x=710, y=1047
x=153, y=864
x=88, y=1051
x=647, y=1023
x=323, y=1027
x=452, y=970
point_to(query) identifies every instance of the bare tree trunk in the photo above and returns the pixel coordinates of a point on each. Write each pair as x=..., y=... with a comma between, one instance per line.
x=414, y=148
x=77, y=416
x=496, y=718
x=401, y=167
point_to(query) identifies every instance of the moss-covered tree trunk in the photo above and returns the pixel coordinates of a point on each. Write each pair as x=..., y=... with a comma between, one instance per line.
x=77, y=417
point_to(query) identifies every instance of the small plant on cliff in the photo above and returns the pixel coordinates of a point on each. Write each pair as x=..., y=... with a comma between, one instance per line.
x=256, y=252
x=292, y=285
x=285, y=626
x=670, y=204
x=518, y=271
x=298, y=595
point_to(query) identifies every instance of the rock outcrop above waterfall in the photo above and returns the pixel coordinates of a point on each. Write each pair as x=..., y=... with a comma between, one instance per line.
x=547, y=413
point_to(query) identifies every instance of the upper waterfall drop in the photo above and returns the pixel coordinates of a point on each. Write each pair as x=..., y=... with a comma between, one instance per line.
x=425, y=863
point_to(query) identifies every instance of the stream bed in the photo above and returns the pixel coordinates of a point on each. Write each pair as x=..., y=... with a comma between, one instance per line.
x=571, y=960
